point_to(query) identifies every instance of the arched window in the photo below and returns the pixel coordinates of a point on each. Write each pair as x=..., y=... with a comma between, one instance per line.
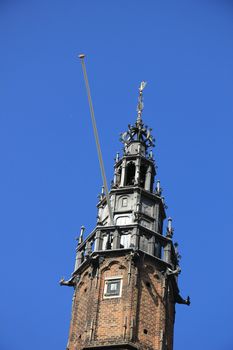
x=143, y=171
x=130, y=174
x=118, y=176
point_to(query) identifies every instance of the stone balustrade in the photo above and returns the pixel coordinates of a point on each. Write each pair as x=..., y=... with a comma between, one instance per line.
x=105, y=238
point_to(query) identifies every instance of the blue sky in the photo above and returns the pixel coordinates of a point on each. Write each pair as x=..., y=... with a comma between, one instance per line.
x=50, y=175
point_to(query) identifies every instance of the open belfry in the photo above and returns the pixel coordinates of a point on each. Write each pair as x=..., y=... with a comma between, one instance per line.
x=126, y=271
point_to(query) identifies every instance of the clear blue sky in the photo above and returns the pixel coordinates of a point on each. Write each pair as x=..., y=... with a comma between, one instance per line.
x=50, y=175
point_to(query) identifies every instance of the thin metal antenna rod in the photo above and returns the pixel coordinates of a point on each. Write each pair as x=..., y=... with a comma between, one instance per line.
x=82, y=56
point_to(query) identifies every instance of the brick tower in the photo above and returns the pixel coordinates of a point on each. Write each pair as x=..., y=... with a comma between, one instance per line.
x=126, y=274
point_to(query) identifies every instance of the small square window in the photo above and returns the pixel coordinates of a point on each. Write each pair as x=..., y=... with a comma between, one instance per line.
x=112, y=288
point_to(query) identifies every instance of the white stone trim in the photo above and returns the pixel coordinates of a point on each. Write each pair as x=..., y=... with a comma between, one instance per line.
x=112, y=278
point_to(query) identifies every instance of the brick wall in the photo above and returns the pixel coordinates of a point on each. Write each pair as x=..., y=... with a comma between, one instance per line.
x=138, y=317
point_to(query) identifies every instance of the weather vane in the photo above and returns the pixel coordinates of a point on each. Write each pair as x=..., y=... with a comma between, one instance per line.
x=138, y=131
x=140, y=105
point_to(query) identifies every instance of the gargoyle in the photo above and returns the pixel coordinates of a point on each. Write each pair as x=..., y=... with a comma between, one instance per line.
x=180, y=300
x=69, y=283
x=175, y=272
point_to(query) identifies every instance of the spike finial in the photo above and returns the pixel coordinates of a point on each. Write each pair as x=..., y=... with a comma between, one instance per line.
x=80, y=240
x=117, y=157
x=170, y=229
x=158, y=188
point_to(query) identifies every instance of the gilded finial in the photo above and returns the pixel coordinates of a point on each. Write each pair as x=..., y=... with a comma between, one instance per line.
x=140, y=105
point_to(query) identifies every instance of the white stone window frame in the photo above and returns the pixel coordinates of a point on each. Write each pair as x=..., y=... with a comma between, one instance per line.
x=109, y=279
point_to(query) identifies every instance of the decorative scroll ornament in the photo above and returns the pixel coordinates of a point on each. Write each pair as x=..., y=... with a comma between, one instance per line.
x=138, y=131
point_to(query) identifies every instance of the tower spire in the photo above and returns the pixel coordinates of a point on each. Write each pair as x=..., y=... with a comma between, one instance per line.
x=128, y=260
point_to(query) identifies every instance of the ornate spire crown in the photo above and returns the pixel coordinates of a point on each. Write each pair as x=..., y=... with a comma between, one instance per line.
x=138, y=131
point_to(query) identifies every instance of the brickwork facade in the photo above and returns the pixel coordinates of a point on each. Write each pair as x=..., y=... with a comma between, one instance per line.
x=136, y=317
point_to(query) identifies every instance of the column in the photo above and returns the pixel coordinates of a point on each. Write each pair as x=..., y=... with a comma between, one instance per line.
x=79, y=259
x=137, y=171
x=115, y=176
x=123, y=172
x=167, y=253
x=134, y=242
x=151, y=246
x=148, y=178
x=116, y=240
x=98, y=241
